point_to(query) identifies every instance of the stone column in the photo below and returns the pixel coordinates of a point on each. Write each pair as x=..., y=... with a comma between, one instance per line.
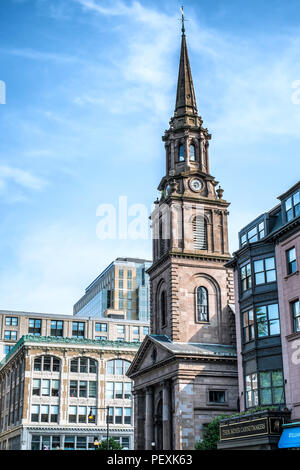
x=139, y=420
x=166, y=416
x=149, y=419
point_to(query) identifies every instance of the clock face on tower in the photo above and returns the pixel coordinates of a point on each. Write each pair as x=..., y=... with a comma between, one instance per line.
x=196, y=184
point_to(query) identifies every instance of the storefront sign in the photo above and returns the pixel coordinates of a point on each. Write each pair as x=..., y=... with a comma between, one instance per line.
x=256, y=427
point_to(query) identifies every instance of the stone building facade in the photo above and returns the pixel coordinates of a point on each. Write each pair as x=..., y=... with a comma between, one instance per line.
x=185, y=371
x=54, y=393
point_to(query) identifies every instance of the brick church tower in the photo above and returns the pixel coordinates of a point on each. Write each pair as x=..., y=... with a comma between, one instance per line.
x=185, y=371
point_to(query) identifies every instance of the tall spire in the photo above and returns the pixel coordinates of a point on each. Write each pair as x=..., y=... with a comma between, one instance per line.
x=185, y=98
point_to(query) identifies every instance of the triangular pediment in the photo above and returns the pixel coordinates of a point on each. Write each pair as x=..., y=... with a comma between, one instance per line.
x=153, y=351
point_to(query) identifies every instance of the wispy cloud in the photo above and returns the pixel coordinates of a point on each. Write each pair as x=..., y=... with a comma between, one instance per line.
x=33, y=54
x=21, y=177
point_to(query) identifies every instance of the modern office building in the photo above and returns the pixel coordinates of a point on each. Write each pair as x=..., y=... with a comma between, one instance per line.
x=267, y=288
x=55, y=370
x=120, y=291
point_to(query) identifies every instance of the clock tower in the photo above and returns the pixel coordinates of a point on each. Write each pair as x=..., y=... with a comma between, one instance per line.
x=185, y=371
x=190, y=234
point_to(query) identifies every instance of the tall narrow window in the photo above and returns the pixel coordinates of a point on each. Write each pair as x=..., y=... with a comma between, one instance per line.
x=181, y=153
x=192, y=153
x=163, y=307
x=202, y=304
x=291, y=260
x=200, y=233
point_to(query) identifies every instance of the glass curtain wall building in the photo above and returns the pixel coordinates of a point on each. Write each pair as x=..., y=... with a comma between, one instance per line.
x=120, y=291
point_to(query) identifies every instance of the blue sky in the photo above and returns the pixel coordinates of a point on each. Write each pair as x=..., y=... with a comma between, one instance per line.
x=90, y=89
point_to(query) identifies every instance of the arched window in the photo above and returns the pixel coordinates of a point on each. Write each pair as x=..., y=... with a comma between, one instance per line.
x=117, y=366
x=192, y=153
x=200, y=233
x=202, y=304
x=181, y=153
x=163, y=308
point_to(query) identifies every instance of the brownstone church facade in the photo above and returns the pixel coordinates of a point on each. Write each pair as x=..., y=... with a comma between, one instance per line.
x=185, y=371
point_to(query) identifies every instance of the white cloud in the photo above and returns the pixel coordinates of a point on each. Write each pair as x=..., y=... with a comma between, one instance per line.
x=20, y=177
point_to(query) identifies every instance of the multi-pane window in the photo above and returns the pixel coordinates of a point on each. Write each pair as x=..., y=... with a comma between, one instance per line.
x=251, y=391
x=292, y=206
x=121, y=273
x=217, y=396
x=7, y=348
x=101, y=327
x=78, y=329
x=45, y=387
x=119, y=415
x=129, y=284
x=101, y=338
x=57, y=328
x=11, y=321
x=271, y=388
x=120, y=284
x=11, y=335
x=84, y=365
x=129, y=274
x=264, y=271
x=78, y=414
x=267, y=320
x=45, y=442
x=291, y=260
x=44, y=413
x=117, y=367
x=145, y=330
x=47, y=363
x=118, y=390
x=246, y=279
x=202, y=304
x=248, y=326
x=295, y=307
x=35, y=327
x=254, y=234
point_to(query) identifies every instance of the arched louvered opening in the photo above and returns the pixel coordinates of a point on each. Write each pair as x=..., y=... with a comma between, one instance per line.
x=202, y=304
x=200, y=233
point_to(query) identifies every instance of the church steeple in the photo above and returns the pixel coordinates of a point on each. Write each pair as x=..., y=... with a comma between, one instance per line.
x=185, y=98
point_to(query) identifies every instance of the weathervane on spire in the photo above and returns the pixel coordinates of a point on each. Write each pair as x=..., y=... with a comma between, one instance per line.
x=182, y=20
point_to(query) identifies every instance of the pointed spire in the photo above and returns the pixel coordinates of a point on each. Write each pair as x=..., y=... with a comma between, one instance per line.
x=185, y=98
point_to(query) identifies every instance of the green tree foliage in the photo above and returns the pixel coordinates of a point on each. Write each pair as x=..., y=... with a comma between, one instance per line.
x=211, y=435
x=113, y=445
